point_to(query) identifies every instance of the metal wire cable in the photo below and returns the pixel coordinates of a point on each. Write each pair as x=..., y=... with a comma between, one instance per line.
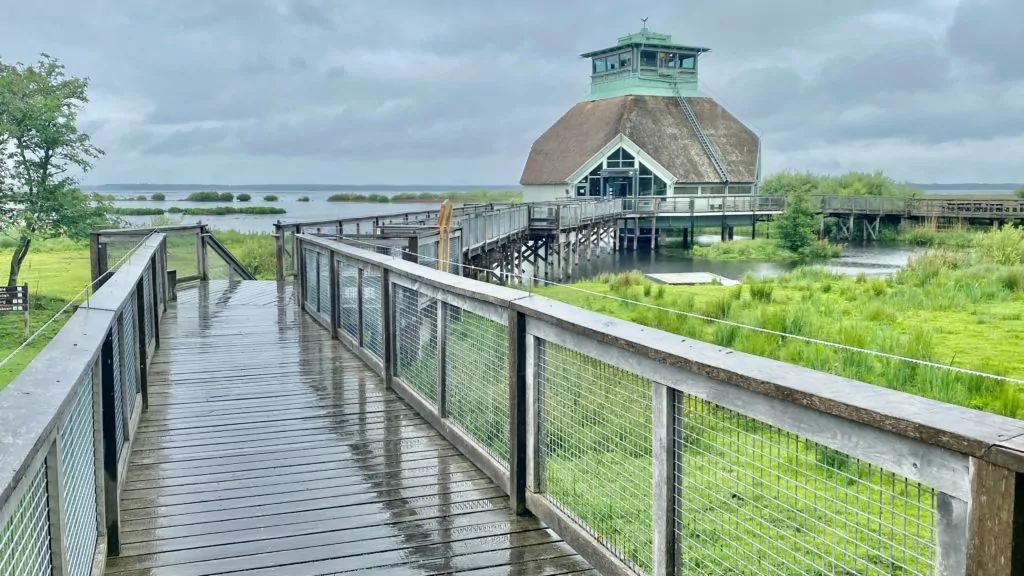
x=73, y=299
x=807, y=339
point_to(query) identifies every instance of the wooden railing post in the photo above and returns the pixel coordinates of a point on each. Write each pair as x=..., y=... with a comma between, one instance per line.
x=388, y=320
x=279, y=251
x=201, y=263
x=334, y=294
x=518, y=409
x=143, y=338
x=442, y=366
x=663, y=446
x=111, y=507
x=995, y=523
x=58, y=511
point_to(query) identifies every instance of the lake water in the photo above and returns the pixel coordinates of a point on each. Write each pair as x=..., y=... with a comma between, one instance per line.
x=870, y=260
x=317, y=209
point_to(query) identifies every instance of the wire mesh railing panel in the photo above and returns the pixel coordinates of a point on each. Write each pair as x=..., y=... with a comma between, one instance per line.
x=416, y=341
x=119, y=247
x=595, y=449
x=217, y=268
x=310, y=278
x=476, y=377
x=455, y=256
x=183, y=253
x=289, y=256
x=78, y=484
x=130, y=356
x=147, y=296
x=373, y=318
x=325, y=285
x=348, y=298
x=427, y=252
x=754, y=499
x=25, y=535
x=118, y=388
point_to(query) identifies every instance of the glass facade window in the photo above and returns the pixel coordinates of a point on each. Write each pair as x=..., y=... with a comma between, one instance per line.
x=689, y=63
x=649, y=58
x=645, y=183
x=613, y=63
x=621, y=159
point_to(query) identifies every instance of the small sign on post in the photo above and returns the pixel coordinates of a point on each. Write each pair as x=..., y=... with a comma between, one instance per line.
x=15, y=299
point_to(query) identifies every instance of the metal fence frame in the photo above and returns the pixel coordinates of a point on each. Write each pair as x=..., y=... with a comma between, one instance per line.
x=41, y=416
x=972, y=460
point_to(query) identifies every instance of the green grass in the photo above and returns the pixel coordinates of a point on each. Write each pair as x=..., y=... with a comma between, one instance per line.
x=762, y=250
x=56, y=271
x=970, y=317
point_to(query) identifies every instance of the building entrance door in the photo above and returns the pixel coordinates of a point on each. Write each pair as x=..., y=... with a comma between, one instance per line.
x=619, y=187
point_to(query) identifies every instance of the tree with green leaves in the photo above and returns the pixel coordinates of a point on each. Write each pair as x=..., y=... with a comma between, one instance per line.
x=796, y=225
x=42, y=151
x=1019, y=192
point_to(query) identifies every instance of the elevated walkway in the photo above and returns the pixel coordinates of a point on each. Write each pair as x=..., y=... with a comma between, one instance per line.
x=383, y=417
x=269, y=448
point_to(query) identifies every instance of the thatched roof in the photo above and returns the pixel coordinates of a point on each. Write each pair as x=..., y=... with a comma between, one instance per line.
x=656, y=124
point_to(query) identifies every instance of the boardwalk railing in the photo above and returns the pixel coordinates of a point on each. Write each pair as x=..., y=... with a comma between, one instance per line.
x=702, y=205
x=650, y=453
x=68, y=422
x=924, y=207
x=193, y=252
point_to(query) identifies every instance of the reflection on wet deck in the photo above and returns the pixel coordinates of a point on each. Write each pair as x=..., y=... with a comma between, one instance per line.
x=268, y=448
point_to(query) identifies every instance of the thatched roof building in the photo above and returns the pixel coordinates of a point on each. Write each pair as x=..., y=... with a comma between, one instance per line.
x=644, y=130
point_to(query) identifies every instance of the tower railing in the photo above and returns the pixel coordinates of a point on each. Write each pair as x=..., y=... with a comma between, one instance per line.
x=654, y=454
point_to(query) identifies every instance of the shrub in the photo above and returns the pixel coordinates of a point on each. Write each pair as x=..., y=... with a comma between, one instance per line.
x=303, y=199
x=270, y=198
x=141, y=197
x=210, y=196
x=1004, y=246
x=158, y=196
x=243, y=197
x=175, y=210
x=136, y=211
x=796, y=226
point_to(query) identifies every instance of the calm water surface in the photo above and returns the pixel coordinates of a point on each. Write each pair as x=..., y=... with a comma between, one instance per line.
x=870, y=260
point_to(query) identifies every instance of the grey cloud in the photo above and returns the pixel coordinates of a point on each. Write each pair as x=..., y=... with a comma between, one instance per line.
x=346, y=91
x=987, y=34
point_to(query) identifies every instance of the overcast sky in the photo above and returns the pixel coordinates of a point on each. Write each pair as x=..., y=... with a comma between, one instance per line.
x=455, y=91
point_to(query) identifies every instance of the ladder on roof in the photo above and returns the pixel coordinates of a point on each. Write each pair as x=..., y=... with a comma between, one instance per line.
x=702, y=137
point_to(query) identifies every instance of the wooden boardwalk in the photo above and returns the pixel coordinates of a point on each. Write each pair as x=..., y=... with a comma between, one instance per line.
x=268, y=448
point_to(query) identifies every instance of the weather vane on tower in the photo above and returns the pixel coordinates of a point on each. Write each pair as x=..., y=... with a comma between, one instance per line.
x=644, y=20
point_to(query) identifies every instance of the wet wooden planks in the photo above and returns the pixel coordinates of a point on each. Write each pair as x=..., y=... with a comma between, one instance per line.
x=268, y=448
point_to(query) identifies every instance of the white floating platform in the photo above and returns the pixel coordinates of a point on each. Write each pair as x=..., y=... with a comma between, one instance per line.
x=692, y=279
